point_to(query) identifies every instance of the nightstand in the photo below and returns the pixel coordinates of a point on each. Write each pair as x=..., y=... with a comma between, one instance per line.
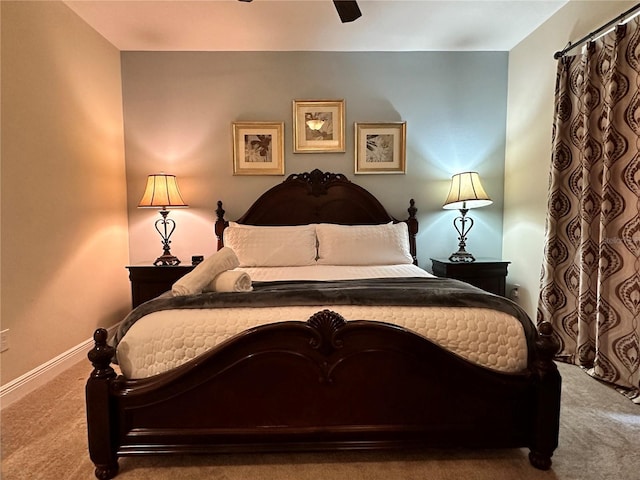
x=149, y=281
x=486, y=273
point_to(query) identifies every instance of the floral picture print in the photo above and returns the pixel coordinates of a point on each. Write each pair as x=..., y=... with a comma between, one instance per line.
x=380, y=147
x=258, y=148
x=318, y=126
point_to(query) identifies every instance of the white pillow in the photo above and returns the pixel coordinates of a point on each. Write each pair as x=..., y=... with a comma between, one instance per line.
x=386, y=244
x=272, y=246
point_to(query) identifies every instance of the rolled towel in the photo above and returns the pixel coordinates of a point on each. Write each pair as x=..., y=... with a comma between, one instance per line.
x=197, y=279
x=230, y=281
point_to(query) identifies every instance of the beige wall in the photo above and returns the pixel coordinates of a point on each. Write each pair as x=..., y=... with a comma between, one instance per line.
x=532, y=71
x=64, y=216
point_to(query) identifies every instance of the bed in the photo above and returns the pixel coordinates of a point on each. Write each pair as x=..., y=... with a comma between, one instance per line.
x=339, y=362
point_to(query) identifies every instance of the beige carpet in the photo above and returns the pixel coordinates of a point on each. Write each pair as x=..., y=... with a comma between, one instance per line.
x=44, y=437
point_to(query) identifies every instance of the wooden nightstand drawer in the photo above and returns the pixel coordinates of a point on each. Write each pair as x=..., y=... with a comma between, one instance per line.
x=149, y=281
x=488, y=274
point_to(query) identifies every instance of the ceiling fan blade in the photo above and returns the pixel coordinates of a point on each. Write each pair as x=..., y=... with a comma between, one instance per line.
x=348, y=10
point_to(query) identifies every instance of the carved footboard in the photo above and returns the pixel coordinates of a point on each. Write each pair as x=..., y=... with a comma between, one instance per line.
x=323, y=384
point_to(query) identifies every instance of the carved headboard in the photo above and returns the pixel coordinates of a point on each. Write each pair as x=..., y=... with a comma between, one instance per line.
x=318, y=197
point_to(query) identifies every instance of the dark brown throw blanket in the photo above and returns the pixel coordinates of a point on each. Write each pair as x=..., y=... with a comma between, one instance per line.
x=427, y=292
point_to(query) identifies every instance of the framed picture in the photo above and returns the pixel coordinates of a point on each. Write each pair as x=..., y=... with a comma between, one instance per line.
x=381, y=147
x=318, y=126
x=258, y=148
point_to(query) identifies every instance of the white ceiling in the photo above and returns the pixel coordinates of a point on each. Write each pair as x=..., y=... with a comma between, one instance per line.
x=314, y=25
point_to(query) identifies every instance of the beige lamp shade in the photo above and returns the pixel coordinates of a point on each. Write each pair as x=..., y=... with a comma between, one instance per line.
x=466, y=192
x=162, y=192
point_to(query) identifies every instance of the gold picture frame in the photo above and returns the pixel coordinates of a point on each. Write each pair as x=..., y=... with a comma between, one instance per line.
x=380, y=147
x=258, y=148
x=318, y=126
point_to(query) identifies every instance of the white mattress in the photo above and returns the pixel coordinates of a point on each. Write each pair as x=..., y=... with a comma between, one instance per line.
x=163, y=340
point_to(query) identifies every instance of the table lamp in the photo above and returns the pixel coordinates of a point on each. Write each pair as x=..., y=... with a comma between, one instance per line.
x=162, y=192
x=466, y=192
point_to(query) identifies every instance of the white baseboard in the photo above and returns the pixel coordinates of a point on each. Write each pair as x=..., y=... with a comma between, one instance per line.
x=27, y=383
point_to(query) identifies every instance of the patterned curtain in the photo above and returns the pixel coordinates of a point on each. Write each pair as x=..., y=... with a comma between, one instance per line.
x=590, y=283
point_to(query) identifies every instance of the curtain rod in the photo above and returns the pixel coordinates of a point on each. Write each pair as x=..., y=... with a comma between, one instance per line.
x=586, y=38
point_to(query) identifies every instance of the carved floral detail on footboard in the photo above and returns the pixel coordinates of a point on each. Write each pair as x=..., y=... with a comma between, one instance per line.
x=327, y=324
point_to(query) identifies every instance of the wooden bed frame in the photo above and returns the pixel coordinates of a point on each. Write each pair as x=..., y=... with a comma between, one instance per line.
x=324, y=384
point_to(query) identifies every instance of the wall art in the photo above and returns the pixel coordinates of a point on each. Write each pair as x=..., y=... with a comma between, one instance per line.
x=380, y=147
x=258, y=148
x=318, y=126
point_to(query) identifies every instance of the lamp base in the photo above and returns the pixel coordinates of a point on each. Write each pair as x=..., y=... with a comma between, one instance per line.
x=462, y=224
x=462, y=256
x=167, y=259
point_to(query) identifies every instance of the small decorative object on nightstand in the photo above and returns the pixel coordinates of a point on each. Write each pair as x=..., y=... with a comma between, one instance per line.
x=162, y=192
x=149, y=281
x=466, y=192
x=485, y=273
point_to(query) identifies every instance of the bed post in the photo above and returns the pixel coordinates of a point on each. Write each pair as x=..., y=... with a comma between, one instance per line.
x=100, y=424
x=547, y=415
x=220, y=225
x=412, y=223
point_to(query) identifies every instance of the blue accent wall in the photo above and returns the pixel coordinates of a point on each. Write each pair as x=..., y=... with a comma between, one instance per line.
x=179, y=106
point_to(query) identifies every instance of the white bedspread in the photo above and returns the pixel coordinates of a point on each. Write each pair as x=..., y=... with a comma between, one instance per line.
x=166, y=339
